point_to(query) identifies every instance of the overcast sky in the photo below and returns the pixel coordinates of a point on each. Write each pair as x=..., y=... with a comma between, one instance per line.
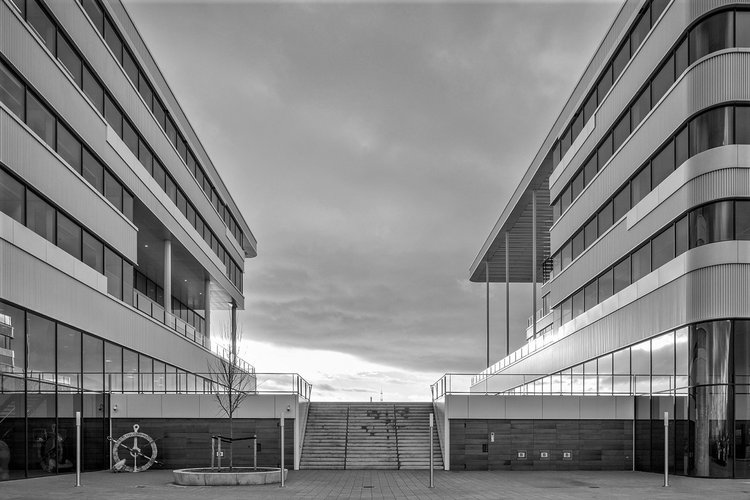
x=371, y=147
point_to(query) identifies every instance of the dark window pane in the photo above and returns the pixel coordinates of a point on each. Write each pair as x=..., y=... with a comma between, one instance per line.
x=643, y=25
x=113, y=272
x=130, y=67
x=127, y=282
x=12, y=197
x=193, y=164
x=590, y=298
x=567, y=310
x=662, y=248
x=742, y=30
x=190, y=214
x=662, y=165
x=130, y=137
x=68, y=147
x=742, y=353
x=576, y=187
x=20, y=5
x=604, y=153
x=621, y=131
x=40, y=340
x=95, y=13
x=127, y=205
x=606, y=283
x=622, y=202
x=113, y=190
x=590, y=232
x=182, y=149
x=145, y=90
x=146, y=369
x=621, y=59
x=69, y=58
x=69, y=236
x=621, y=275
x=742, y=220
x=742, y=125
x=578, y=241
x=40, y=119
x=711, y=130
x=145, y=157
x=113, y=39
x=11, y=91
x=159, y=173
x=112, y=115
x=590, y=106
x=577, y=303
x=681, y=235
x=711, y=223
x=606, y=217
x=556, y=264
x=93, y=90
x=640, y=186
x=40, y=216
x=93, y=171
x=657, y=7
x=41, y=22
x=181, y=202
x=159, y=113
x=663, y=80
x=566, y=254
x=604, y=84
x=681, y=147
x=640, y=108
x=556, y=154
x=130, y=371
x=577, y=126
x=171, y=190
x=93, y=252
x=641, y=262
x=93, y=363
x=112, y=367
x=556, y=210
x=681, y=61
x=171, y=131
x=710, y=35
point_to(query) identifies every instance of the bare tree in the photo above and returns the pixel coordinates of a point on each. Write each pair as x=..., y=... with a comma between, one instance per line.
x=235, y=383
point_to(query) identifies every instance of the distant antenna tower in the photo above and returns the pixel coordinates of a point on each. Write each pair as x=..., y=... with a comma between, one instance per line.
x=381, y=394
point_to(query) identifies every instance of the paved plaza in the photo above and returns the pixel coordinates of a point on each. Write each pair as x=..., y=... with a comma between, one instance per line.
x=384, y=484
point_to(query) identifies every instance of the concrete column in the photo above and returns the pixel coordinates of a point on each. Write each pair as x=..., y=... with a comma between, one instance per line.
x=533, y=258
x=487, y=282
x=234, y=331
x=168, y=276
x=207, y=307
x=507, y=293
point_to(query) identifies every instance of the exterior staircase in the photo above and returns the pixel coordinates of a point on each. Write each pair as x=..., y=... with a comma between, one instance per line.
x=369, y=436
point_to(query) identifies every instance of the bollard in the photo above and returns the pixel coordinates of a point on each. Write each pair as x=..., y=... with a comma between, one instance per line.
x=666, y=448
x=282, y=450
x=213, y=452
x=218, y=455
x=78, y=448
x=432, y=472
x=255, y=452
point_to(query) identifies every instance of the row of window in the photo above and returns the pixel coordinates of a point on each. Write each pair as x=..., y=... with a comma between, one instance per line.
x=54, y=356
x=112, y=38
x=81, y=158
x=710, y=129
x=27, y=106
x=646, y=19
x=30, y=209
x=716, y=32
x=150, y=289
x=714, y=222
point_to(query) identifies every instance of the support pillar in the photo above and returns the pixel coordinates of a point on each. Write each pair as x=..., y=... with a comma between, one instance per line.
x=487, y=282
x=507, y=293
x=533, y=259
x=234, y=332
x=207, y=308
x=168, y=276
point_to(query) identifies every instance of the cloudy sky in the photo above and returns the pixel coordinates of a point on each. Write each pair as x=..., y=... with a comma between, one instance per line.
x=371, y=148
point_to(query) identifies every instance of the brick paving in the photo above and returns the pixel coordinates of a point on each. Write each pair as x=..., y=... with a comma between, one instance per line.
x=364, y=484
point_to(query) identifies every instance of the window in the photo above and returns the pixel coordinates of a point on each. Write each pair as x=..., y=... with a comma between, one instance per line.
x=130, y=137
x=681, y=236
x=93, y=90
x=42, y=24
x=621, y=131
x=146, y=370
x=577, y=185
x=127, y=205
x=181, y=202
x=93, y=171
x=11, y=92
x=69, y=236
x=662, y=165
x=710, y=130
x=640, y=186
x=712, y=34
x=40, y=216
x=112, y=367
x=605, y=217
x=159, y=113
x=93, y=351
x=622, y=202
x=40, y=119
x=621, y=274
x=566, y=254
x=742, y=220
x=112, y=190
x=145, y=90
x=112, y=115
x=681, y=147
x=567, y=311
x=606, y=282
x=182, y=149
x=742, y=124
x=68, y=147
x=69, y=58
x=742, y=29
x=641, y=262
x=663, y=80
x=590, y=233
x=577, y=126
x=621, y=59
x=127, y=282
x=171, y=131
x=130, y=371
x=604, y=84
x=590, y=295
x=12, y=197
x=113, y=39
x=604, y=153
x=145, y=157
x=662, y=248
x=113, y=272
x=577, y=303
x=640, y=108
x=159, y=174
x=578, y=244
x=642, y=27
x=190, y=214
x=711, y=223
x=681, y=61
x=93, y=252
x=130, y=67
x=40, y=340
x=95, y=13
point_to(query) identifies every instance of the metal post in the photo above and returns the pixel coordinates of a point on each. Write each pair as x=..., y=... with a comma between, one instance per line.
x=218, y=455
x=507, y=293
x=168, y=276
x=666, y=448
x=78, y=448
x=109, y=417
x=255, y=452
x=533, y=257
x=487, y=281
x=432, y=481
x=282, y=449
x=213, y=452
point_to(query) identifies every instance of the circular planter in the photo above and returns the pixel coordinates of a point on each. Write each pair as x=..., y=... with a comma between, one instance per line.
x=239, y=476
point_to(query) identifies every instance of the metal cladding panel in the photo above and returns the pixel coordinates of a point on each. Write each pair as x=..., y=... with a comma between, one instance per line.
x=619, y=240
x=104, y=64
x=699, y=88
x=32, y=160
x=709, y=293
x=34, y=284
